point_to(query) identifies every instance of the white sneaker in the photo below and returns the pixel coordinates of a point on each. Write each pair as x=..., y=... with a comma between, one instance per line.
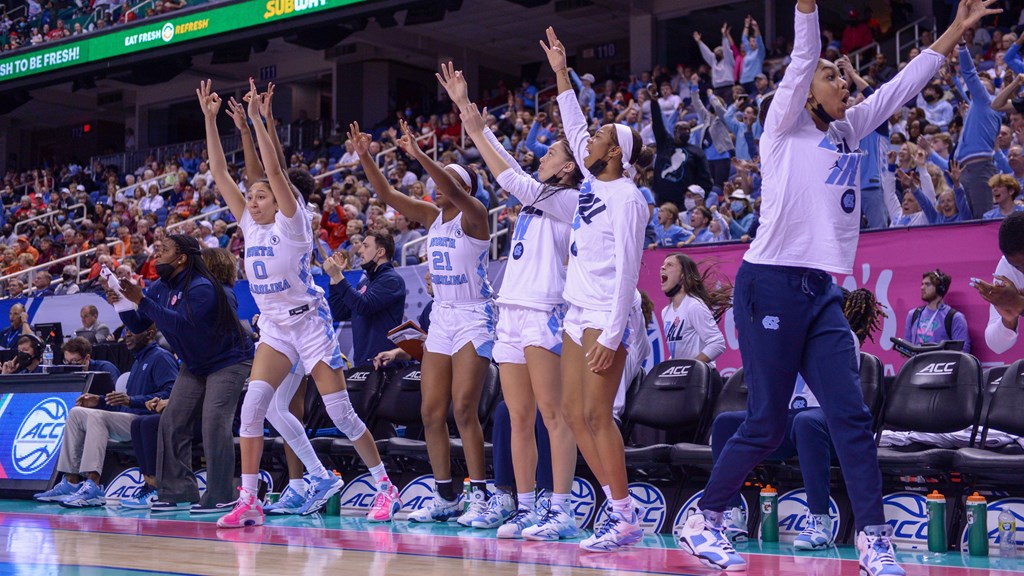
x=817, y=535
x=557, y=524
x=477, y=507
x=438, y=510
x=498, y=509
x=877, y=557
x=514, y=526
x=618, y=532
x=703, y=535
x=735, y=521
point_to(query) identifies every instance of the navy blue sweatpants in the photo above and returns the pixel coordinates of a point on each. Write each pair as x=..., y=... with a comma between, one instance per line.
x=806, y=437
x=501, y=439
x=144, y=442
x=790, y=321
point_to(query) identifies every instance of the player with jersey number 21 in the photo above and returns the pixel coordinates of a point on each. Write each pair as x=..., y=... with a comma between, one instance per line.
x=788, y=310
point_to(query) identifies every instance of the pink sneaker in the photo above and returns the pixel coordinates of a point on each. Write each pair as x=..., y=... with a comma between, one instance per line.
x=248, y=511
x=386, y=504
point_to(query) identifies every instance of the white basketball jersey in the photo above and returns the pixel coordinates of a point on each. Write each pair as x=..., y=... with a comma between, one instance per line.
x=277, y=267
x=458, y=263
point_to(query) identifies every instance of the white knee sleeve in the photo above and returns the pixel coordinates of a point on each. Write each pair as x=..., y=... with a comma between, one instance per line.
x=254, y=408
x=344, y=416
x=278, y=414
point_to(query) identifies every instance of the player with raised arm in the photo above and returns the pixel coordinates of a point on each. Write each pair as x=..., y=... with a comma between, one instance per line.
x=788, y=310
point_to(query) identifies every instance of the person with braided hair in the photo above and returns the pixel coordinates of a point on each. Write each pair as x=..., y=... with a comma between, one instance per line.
x=200, y=322
x=807, y=435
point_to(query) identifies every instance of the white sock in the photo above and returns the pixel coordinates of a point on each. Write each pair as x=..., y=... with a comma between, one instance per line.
x=607, y=491
x=251, y=483
x=527, y=500
x=623, y=507
x=298, y=484
x=379, y=474
x=561, y=500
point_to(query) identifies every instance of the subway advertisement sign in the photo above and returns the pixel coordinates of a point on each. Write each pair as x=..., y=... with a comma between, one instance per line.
x=147, y=36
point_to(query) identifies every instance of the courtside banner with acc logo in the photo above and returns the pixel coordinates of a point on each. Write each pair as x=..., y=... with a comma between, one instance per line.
x=31, y=433
x=890, y=264
x=135, y=38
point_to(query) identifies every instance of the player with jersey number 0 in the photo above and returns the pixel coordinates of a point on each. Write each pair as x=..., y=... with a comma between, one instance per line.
x=295, y=322
x=788, y=310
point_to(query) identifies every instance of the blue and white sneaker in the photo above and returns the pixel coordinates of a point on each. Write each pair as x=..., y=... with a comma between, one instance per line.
x=290, y=502
x=703, y=535
x=89, y=495
x=477, y=507
x=514, y=526
x=437, y=510
x=62, y=490
x=319, y=492
x=144, y=501
x=164, y=507
x=817, y=535
x=877, y=557
x=735, y=521
x=618, y=532
x=499, y=508
x=556, y=524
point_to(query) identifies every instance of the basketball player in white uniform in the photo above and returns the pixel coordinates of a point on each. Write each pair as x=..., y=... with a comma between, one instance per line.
x=529, y=333
x=295, y=322
x=461, y=336
x=604, y=266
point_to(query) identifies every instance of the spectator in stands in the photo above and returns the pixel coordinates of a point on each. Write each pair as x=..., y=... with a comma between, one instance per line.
x=153, y=200
x=19, y=326
x=377, y=304
x=678, y=163
x=78, y=352
x=722, y=64
x=205, y=235
x=15, y=289
x=1005, y=189
x=30, y=355
x=669, y=233
x=68, y=284
x=41, y=285
x=981, y=127
x=92, y=330
x=936, y=321
x=753, y=60
x=96, y=419
x=25, y=247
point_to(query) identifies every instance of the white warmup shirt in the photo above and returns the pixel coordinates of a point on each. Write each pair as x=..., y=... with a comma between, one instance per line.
x=998, y=337
x=535, y=273
x=458, y=263
x=277, y=266
x=691, y=329
x=607, y=240
x=810, y=211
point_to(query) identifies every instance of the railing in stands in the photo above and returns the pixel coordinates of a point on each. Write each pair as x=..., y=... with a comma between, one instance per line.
x=916, y=27
x=861, y=58
x=208, y=216
x=76, y=257
x=493, y=214
x=51, y=214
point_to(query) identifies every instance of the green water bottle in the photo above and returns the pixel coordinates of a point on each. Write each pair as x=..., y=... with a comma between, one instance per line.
x=977, y=525
x=769, y=514
x=334, y=502
x=937, y=523
x=467, y=487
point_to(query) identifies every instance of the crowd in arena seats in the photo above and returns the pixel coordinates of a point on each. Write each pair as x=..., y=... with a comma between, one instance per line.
x=41, y=22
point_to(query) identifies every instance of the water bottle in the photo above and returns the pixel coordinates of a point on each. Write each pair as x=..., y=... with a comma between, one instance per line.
x=937, y=523
x=466, y=489
x=977, y=525
x=769, y=514
x=48, y=356
x=1007, y=534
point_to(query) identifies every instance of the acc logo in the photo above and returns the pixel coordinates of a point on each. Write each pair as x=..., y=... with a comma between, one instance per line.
x=266, y=477
x=770, y=322
x=690, y=508
x=517, y=252
x=793, y=515
x=358, y=377
x=584, y=501
x=848, y=201
x=167, y=33
x=676, y=371
x=126, y=485
x=417, y=493
x=1015, y=506
x=359, y=493
x=908, y=515
x=39, y=436
x=417, y=375
x=938, y=368
x=651, y=503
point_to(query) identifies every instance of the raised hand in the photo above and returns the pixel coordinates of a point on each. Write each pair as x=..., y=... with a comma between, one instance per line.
x=266, y=100
x=924, y=145
x=970, y=12
x=454, y=84
x=253, y=98
x=554, y=50
x=360, y=140
x=954, y=172
x=472, y=121
x=696, y=36
x=237, y=114
x=920, y=158
x=407, y=142
x=209, y=101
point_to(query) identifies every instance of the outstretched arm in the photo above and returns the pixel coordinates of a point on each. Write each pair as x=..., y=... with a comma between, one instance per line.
x=253, y=167
x=416, y=210
x=267, y=110
x=574, y=123
x=279, y=184
x=1001, y=103
x=791, y=95
x=210, y=102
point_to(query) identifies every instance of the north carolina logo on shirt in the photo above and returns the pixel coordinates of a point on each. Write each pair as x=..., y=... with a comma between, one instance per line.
x=458, y=232
x=799, y=403
x=848, y=201
x=770, y=322
x=274, y=240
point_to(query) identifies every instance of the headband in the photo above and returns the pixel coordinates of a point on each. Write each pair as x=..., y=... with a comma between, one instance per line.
x=462, y=174
x=624, y=135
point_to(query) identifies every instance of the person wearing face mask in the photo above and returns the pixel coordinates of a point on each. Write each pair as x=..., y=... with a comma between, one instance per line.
x=377, y=304
x=69, y=281
x=30, y=355
x=691, y=317
x=678, y=163
x=937, y=110
x=792, y=318
x=740, y=215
